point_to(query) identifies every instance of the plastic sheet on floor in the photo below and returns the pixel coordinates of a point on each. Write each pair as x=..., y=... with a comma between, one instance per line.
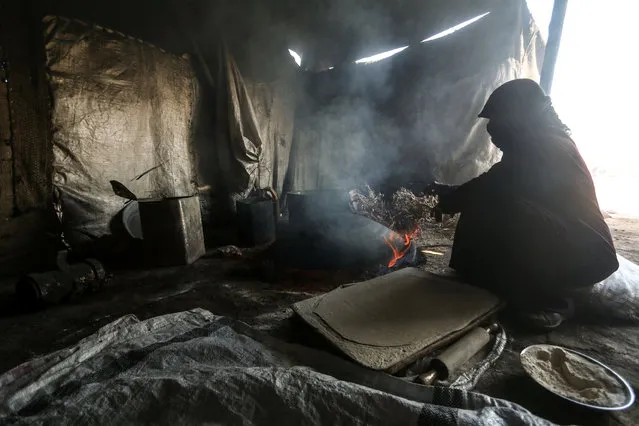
x=194, y=367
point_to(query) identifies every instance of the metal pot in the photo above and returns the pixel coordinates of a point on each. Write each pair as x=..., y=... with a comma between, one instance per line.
x=308, y=207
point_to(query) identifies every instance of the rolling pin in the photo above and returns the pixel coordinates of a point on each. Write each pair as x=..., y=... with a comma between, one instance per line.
x=457, y=355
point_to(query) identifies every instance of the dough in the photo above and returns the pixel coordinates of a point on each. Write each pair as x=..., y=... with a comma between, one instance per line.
x=573, y=376
x=403, y=307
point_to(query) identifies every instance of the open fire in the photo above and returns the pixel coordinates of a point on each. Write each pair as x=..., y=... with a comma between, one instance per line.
x=399, y=244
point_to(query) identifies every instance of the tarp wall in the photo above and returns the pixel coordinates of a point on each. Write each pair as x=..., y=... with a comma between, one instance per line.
x=120, y=108
x=253, y=128
x=413, y=116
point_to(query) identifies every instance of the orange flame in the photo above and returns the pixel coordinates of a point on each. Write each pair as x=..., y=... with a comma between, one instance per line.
x=399, y=244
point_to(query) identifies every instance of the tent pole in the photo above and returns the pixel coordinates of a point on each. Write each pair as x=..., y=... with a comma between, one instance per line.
x=552, y=47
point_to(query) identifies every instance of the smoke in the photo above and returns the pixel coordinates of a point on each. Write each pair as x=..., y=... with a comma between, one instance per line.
x=365, y=24
x=412, y=117
x=381, y=124
x=361, y=144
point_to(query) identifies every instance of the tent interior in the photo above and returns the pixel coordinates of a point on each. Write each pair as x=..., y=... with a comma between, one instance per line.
x=164, y=169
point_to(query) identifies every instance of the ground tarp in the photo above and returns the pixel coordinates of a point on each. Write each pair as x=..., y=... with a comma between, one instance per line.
x=195, y=367
x=122, y=111
x=413, y=116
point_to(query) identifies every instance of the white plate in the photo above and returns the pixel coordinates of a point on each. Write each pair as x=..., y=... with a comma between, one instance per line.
x=630, y=395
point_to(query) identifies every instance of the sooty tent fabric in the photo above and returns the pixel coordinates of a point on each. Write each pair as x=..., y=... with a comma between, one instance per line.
x=121, y=110
x=240, y=143
x=254, y=127
x=412, y=116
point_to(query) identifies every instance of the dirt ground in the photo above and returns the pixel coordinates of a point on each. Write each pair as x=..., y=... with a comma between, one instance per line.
x=626, y=235
x=245, y=289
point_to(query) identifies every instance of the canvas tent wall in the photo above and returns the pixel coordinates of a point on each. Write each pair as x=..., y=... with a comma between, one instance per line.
x=334, y=33
x=414, y=115
x=401, y=132
x=253, y=129
x=122, y=111
x=81, y=177
x=410, y=118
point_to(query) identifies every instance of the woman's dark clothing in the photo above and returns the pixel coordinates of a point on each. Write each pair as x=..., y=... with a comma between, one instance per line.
x=531, y=228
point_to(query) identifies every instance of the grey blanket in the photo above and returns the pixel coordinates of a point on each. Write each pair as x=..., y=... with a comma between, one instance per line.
x=194, y=367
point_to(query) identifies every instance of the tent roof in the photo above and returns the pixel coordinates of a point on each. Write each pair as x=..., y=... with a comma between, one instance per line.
x=324, y=31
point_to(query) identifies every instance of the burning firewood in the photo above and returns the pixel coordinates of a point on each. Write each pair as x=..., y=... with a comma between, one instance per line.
x=405, y=213
x=409, y=217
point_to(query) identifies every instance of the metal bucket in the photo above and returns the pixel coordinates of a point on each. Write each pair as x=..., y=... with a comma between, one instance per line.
x=256, y=221
x=307, y=207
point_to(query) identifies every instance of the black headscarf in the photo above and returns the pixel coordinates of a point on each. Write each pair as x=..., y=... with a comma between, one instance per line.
x=520, y=110
x=521, y=100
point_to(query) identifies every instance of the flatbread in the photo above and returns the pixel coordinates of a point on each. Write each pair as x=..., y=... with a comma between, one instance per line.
x=403, y=307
